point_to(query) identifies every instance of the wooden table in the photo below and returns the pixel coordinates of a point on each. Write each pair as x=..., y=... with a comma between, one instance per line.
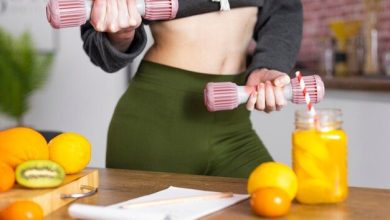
x=121, y=185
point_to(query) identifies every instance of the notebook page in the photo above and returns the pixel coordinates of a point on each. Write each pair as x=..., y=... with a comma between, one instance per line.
x=184, y=210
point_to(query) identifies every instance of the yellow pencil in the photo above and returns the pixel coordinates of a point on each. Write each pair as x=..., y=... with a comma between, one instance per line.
x=179, y=200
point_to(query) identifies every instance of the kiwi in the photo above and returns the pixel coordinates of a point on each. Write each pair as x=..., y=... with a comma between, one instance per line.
x=39, y=174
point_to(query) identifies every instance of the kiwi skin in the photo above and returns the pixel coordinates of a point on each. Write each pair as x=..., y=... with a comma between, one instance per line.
x=39, y=174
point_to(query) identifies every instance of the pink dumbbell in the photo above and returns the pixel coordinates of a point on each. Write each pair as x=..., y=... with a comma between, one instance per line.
x=73, y=13
x=226, y=95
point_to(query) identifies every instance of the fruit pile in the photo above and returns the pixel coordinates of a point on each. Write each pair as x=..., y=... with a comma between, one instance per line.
x=27, y=159
x=272, y=187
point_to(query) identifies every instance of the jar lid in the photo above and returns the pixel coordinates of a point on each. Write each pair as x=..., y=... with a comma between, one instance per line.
x=322, y=119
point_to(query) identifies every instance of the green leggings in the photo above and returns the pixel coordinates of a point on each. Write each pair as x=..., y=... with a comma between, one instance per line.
x=162, y=124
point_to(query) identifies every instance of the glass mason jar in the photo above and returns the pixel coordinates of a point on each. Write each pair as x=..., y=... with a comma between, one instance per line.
x=320, y=156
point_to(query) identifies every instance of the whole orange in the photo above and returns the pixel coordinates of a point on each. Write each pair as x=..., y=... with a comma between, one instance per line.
x=7, y=179
x=22, y=210
x=273, y=174
x=70, y=150
x=21, y=144
x=270, y=202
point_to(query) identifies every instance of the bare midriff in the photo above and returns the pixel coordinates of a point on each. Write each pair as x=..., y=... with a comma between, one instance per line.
x=212, y=43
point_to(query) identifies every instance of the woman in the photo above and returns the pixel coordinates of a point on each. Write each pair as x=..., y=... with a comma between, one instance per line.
x=161, y=123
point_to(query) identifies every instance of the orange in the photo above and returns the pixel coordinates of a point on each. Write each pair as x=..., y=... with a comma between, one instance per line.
x=273, y=174
x=270, y=202
x=21, y=144
x=22, y=210
x=7, y=179
x=70, y=150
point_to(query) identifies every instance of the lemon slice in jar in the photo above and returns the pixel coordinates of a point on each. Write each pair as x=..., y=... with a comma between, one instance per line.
x=314, y=191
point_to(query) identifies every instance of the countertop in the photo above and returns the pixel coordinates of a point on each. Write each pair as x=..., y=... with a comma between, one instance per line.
x=120, y=185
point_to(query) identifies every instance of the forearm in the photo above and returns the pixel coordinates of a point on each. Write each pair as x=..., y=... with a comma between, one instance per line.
x=278, y=36
x=122, y=39
x=107, y=55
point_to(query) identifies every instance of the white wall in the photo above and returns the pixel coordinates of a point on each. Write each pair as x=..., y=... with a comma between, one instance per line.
x=80, y=97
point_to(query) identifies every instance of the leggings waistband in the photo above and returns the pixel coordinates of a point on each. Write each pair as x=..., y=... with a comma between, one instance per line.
x=180, y=78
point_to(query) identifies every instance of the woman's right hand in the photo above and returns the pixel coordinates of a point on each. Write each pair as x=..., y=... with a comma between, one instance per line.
x=118, y=18
x=269, y=96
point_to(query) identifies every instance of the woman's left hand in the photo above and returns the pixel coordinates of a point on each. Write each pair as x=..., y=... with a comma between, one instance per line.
x=269, y=96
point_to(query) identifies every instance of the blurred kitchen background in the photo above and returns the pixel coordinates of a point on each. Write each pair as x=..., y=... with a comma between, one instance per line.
x=346, y=38
x=347, y=42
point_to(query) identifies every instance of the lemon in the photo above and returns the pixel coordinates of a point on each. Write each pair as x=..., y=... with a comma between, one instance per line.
x=70, y=150
x=273, y=174
x=307, y=165
x=311, y=142
x=315, y=191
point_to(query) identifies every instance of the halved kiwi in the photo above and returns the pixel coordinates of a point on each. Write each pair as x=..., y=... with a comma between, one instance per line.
x=39, y=174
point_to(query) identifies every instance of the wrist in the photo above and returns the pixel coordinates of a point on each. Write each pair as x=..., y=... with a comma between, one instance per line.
x=261, y=70
x=121, y=40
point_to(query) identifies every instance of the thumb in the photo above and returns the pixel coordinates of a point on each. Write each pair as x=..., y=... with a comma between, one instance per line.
x=255, y=77
x=282, y=80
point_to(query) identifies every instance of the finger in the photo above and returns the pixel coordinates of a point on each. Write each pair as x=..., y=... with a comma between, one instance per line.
x=98, y=15
x=250, y=105
x=134, y=16
x=123, y=14
x=260, y=103
x=112, y=16
x=280, y=100
x=269, y=97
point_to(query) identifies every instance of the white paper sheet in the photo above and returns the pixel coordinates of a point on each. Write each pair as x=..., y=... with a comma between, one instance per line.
x=93, y=212
x=186, y=210
x=189, y=209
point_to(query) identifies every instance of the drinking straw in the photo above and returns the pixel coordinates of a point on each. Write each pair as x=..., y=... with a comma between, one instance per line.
x=309, y=104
